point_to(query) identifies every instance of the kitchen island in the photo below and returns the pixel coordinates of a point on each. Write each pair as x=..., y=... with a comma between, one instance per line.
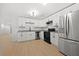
x=26, y=35
x=23, y=35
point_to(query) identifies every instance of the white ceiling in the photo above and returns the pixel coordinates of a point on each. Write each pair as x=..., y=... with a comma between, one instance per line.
x=23, y=9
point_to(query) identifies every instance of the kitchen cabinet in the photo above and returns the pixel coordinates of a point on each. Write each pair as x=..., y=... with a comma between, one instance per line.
x=27, y=36
x=23, y=36
x=61, y=45
x=69, y=9
x=73, y=8
x=64, y=46
x=54, y=38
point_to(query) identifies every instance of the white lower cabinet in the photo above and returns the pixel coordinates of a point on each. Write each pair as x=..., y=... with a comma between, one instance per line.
x=54, y=38
x=23, y=36
x=64, y=46
x=61, y=45
x=28, y=36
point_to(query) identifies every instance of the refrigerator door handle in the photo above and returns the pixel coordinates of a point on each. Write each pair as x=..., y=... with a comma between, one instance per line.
x=66, y=25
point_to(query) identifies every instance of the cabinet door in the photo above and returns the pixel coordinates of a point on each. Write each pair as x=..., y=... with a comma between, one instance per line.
x=28, y=36
x=24, y=36
x=56, y=39
x=61, y=45
x=32, y=34
x=20, y=36
x=52, y=36
x=73, y=7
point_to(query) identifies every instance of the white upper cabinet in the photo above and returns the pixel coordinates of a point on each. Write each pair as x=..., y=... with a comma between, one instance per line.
x=73, y=8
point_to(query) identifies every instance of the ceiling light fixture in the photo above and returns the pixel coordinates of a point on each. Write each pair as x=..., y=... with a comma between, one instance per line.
x=34, y=13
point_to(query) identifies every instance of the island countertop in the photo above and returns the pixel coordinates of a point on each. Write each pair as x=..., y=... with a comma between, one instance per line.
x=30, y=30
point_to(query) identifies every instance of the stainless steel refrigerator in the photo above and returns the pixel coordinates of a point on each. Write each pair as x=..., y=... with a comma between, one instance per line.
x=68, y=42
